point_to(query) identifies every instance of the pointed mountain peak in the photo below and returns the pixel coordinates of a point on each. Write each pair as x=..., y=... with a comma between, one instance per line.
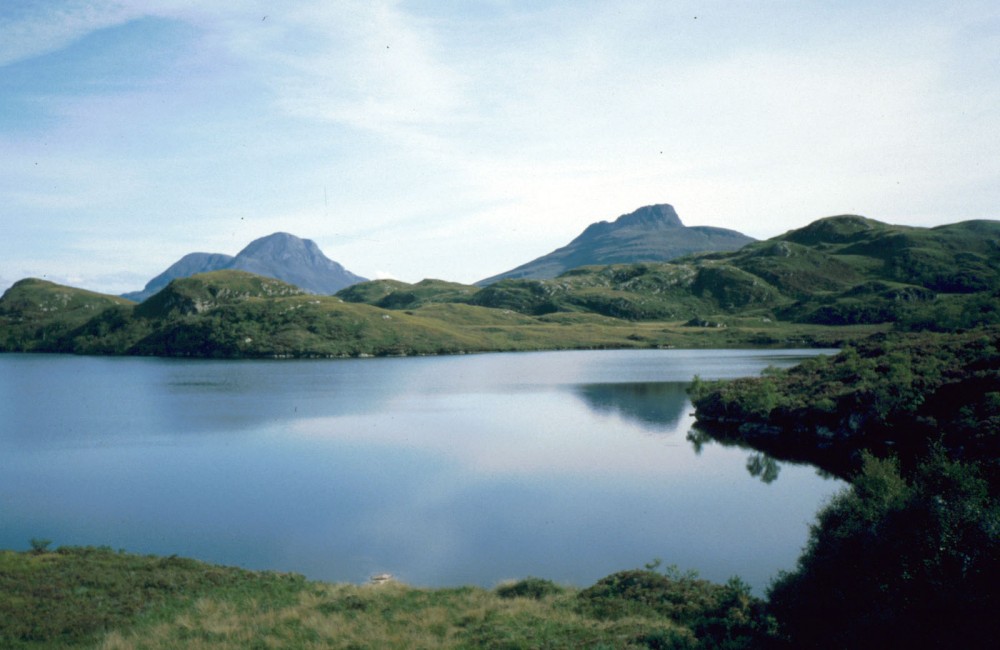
x=653, y=233
x=659, y=215
x=279, y=242
x=280, y=255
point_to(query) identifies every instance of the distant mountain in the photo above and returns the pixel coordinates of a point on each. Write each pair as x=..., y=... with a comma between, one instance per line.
x=185, y=267
x=795, y=289
x=650, y=234
x=281, y=256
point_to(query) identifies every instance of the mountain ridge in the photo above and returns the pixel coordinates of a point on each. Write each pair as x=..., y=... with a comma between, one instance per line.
x=652, y=233
x=280, y=255
x=849, y=277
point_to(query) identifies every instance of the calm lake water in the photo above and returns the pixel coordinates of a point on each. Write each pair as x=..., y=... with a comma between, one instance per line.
x=439, y=470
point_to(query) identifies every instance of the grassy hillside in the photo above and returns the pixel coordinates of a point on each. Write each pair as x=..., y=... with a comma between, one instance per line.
x=829, y=282
x=39, y=314
x=231, y=314
x=92, y=597
x=843, y=270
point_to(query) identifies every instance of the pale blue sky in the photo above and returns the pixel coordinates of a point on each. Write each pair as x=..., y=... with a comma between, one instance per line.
x=457, y=140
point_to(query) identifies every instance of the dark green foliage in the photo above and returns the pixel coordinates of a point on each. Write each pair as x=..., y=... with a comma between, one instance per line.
x=36, y=315
x=533, y=297
x=898, y=393
x=669, y=639
x=799, y=271
x=530, y=587
x=733, y=289
x=953, y=313
x=908, y=556
x=892, y=563
x=633, y=292
x=371, y=291
x=843, y=229
x=721, y=616
x=40, y=546
x=866, y=303
x=393, y=294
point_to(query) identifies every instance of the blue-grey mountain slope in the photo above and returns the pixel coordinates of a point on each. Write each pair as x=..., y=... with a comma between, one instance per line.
x=650, y=234
x=185, y=267
x=280, y=256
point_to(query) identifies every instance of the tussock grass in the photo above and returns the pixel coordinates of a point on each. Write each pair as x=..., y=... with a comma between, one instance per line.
x=393, y=616
x=99, y=598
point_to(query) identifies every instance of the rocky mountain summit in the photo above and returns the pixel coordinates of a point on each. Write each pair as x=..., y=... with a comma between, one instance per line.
x=280, y=256
x=650, y=234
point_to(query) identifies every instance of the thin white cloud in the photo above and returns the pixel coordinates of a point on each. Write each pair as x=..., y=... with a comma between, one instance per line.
x=46, y=27
x=363, y=64
x=421, y=140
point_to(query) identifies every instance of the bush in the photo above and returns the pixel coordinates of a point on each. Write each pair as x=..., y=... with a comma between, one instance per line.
x=892, y=563
x=720, y=616
x=536, y=588
x=40, y=546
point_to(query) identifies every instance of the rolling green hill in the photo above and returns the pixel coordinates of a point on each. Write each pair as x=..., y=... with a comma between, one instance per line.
x=37, y=314
x=833, y=280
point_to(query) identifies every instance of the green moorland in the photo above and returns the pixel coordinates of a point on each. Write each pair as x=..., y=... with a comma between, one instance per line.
x=99, y=598
x=833, y=281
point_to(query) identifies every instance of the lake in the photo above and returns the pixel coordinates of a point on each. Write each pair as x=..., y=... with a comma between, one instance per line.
x=440, y=470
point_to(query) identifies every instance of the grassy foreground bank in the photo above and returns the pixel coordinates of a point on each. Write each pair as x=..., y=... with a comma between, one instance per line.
x=84, y=597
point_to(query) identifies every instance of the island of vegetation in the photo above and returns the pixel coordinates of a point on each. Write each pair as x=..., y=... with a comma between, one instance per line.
x=909, y=556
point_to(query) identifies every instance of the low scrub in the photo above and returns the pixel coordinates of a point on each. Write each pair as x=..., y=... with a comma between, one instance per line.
x=96, y=597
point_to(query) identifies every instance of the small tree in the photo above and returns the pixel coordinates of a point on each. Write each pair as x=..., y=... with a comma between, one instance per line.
x=39, y=546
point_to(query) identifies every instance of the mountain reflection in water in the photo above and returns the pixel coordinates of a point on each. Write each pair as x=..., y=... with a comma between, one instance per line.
x=659, y=407
x=655, y=406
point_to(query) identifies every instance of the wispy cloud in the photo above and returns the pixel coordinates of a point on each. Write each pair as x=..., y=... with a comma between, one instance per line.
x=429, y=139
x=33, y=28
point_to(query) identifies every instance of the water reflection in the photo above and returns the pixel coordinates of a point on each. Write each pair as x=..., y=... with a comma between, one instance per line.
x=660, y=407
x=543, y=463
x=654, y=406
x=759, y=464
x=763, y=467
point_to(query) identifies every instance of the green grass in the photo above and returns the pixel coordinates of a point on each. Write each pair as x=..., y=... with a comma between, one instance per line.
x=94, y=597
x=72, y=597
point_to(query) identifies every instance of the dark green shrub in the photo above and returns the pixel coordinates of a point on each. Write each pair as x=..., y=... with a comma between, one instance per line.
x=536, y=588
x=898, y=564
x=666, y=640
x=39, y=546
x=720, y=616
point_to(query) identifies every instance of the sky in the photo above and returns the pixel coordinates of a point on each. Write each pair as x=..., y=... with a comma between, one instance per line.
x=457, y=140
